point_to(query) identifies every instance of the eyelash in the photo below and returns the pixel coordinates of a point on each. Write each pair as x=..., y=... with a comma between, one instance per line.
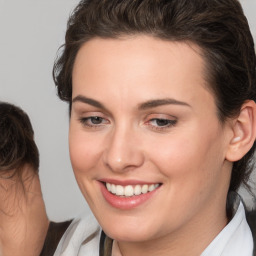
x=169, y=123
x=84, y=121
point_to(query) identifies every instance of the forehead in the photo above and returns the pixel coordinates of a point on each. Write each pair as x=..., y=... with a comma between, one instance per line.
x=142, y=49
x=140, y=65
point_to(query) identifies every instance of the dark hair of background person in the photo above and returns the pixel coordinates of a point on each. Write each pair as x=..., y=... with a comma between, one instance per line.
x=17, y=145
x=218, y=27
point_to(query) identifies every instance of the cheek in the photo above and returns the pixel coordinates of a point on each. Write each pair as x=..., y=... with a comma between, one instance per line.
x=189, y=157
x=84, y=150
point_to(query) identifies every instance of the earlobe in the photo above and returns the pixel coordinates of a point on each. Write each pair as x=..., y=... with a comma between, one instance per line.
x=244, y=132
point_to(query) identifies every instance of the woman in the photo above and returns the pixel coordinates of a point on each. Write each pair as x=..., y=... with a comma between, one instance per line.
x=162, y=126
x=23, y=222
x=24, y=226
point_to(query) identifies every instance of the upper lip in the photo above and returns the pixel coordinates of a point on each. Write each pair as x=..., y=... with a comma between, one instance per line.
x=127, y=182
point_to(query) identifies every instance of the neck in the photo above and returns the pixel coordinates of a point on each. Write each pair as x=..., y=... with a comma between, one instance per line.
x=23, y=222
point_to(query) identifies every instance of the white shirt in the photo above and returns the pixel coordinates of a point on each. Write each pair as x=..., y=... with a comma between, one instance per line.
x=234, y=240
x=80, y=229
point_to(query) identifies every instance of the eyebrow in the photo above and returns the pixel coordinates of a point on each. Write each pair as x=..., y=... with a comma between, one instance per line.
x=89, y=101
x=161, y=102
x=143, y=106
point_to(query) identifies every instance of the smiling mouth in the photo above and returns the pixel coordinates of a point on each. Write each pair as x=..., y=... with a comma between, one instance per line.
x=131, y=190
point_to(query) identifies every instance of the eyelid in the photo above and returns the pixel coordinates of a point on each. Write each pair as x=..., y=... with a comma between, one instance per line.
x=86, y=113
x=84, y=109
x=171, y=121
x=88, y=124
x=85, y=119
x=160, y=116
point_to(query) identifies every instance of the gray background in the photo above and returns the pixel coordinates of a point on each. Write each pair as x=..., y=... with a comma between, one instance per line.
x=30, y=33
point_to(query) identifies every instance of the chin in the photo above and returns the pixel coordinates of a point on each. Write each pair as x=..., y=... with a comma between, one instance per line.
x=128, y=233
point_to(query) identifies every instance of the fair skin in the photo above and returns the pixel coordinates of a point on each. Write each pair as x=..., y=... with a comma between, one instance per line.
x=23, y=219
x=139, y=117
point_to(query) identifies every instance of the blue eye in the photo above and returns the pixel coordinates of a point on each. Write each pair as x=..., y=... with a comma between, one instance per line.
x=93, y=121
x=96, y=120
x=161, y=123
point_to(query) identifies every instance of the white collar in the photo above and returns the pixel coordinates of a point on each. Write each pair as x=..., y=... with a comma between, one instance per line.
x=235, y=239
x=81, y=238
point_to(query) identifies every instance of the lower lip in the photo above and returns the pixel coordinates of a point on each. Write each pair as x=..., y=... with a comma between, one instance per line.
x=126, y=203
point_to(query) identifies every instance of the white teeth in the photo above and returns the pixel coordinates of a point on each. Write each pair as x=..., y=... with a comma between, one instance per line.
x=108, y=186
x=144, y=189
x=113, y=188
x=137, y=190
x=119, y=190
x=130, y=190
x=151, y=187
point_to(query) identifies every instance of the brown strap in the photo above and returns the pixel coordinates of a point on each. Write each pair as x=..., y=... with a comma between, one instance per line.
x=54, y=234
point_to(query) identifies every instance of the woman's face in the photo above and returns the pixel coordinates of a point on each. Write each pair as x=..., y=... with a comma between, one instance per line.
x=144, y=125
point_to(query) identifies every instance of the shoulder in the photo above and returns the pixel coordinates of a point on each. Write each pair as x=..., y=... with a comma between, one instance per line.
x=82, y=237
x=54, y=234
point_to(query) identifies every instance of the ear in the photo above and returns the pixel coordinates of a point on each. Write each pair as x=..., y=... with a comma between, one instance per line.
x=244, y=132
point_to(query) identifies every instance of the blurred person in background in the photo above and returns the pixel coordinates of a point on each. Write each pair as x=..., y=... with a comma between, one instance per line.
x=24, y=226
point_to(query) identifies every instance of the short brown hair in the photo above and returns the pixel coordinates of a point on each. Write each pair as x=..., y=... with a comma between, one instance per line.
x=218, y=27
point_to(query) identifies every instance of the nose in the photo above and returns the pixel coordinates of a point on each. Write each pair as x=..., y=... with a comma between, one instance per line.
x=123, y=151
